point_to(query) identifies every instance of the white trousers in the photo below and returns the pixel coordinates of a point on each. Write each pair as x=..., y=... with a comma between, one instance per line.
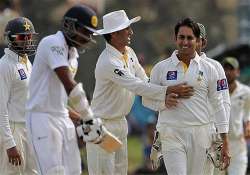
x=55, y=144
x=100, y=162
x=238, y=162
x=184, y=149
x=238, y=150
x=28, y=165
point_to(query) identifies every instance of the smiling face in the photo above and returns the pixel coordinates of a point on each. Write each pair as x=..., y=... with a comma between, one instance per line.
x=122, y=38
x=186, y=41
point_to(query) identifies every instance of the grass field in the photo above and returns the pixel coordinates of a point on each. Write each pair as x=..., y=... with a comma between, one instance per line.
x=134, y=154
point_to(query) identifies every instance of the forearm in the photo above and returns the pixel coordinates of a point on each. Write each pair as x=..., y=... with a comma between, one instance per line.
x=224, y=137
x=225, y=141
x=148, y=90
x=78, y=101
x=156, y=105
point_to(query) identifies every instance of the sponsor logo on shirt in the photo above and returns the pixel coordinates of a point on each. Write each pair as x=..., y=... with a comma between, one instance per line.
x=22, y=74
x=222, y=84
x=118, y=72
x=58, y=50
x=171, y=75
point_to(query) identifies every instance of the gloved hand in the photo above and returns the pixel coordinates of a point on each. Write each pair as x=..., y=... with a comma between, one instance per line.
x=91, y=130
x=214, y=152
x=156, y=155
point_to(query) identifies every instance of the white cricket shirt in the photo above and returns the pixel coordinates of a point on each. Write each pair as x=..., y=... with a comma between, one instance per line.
x=193, y=111
x=14, y=78
x=240, y=110
x=117, y=82
x=47, y=93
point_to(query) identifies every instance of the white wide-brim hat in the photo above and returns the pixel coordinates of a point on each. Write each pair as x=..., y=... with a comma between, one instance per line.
x=116, y=21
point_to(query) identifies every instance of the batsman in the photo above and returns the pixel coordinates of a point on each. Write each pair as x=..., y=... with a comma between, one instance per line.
x=52, y=88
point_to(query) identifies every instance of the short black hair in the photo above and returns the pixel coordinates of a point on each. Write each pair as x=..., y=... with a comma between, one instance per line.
x=107, y=37
x=188, y=22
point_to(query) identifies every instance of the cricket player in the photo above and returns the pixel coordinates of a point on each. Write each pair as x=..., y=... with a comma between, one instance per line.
x=201, y=45
x=52, y=86
x=239, y=123
x=119, y=76
x=16, y=155
x=222, y=78
x=184, y=127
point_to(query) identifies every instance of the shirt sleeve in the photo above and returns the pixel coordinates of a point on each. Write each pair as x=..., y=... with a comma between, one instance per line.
x=154, y=104
x=216, y=100
x=121, y=76
x=57, y=56
x=5, y=87
x=225, y=91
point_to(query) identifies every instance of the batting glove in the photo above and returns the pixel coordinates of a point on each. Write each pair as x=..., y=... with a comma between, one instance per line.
x=91, y=130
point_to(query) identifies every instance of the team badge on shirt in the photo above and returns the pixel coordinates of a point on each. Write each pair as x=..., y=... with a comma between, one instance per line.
x=22, y=74
x=222, y=84
x=200, y=75
x=172, y=75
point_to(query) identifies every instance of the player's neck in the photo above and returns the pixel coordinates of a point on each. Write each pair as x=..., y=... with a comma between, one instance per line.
x=119, y=45
x=185, y=58
x=120, y=48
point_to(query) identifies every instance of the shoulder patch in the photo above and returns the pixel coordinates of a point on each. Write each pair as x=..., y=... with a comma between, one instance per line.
x=222, y=84
x=22, y=74
x=171, y=75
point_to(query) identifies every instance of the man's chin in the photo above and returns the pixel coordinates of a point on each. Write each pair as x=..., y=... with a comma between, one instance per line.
x=186, y=52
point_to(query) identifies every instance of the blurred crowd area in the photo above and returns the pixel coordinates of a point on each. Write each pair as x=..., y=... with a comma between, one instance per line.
x=153, y=37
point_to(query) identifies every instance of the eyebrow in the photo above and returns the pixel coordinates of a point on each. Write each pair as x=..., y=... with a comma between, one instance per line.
x=189, y=37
